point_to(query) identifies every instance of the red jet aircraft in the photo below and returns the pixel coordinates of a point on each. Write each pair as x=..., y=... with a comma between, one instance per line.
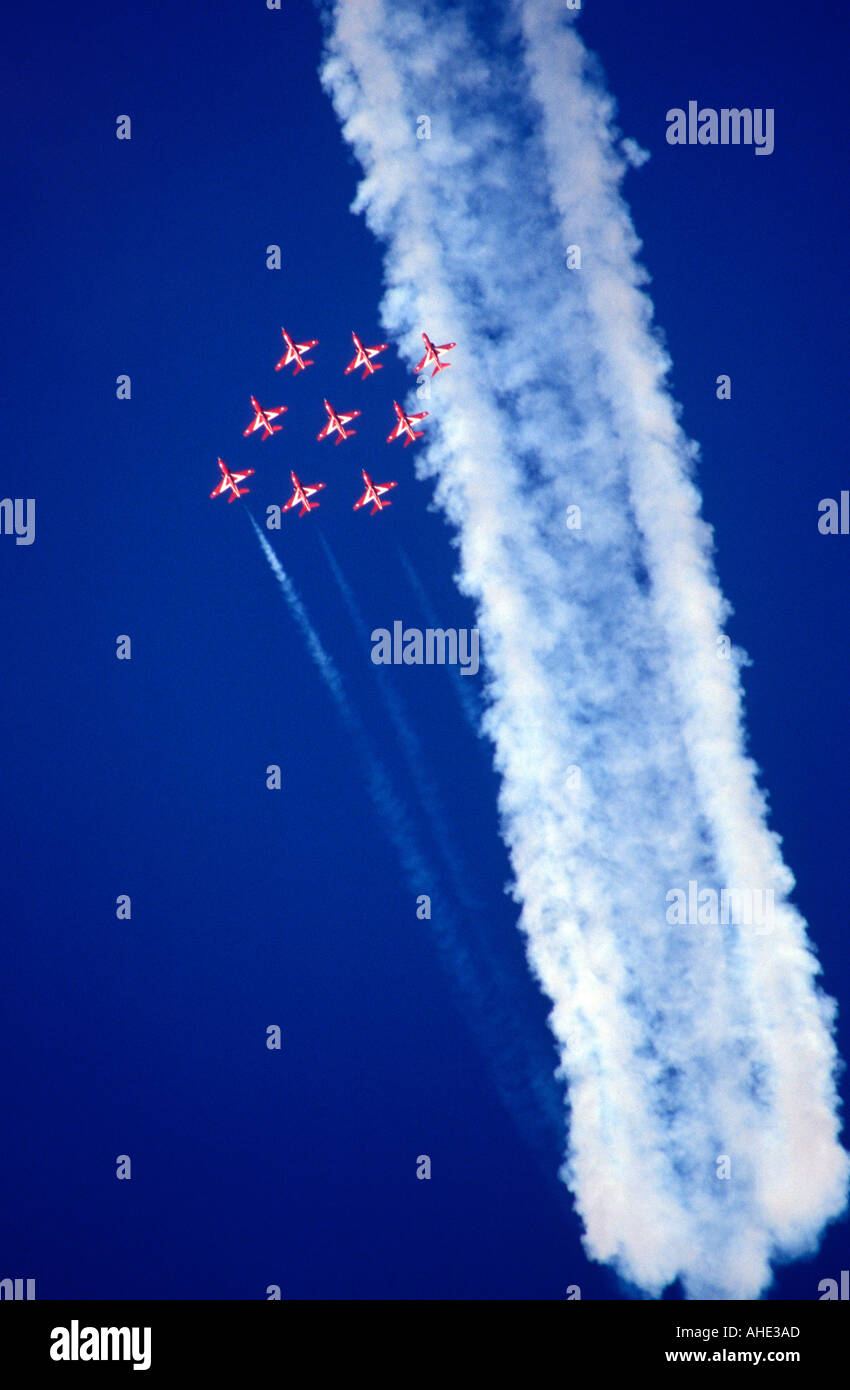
x=337, y=423
x=293, y=353
x=373, y=494
x=263, y=420
x=432, y=354
x=303, y=491
x=404, y=425
x=363, y=358
x=231, y=480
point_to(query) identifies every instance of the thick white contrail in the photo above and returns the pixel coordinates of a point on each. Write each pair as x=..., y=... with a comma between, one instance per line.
x=703, y=1128
x=802, y=1174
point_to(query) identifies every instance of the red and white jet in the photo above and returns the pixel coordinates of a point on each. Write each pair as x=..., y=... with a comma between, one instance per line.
x=363, y=358
x=232, y=481
x=404, y=425
x=337, y=423
x=301, y=494
x=294, y=353
x=432, y=354
x=263, y=420
x=374, y=492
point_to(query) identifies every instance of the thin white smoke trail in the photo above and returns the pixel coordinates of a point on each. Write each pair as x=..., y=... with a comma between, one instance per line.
x=521, y=1058
x=520, y=1071
x=384, y=797
x=600, y=645
x=325, y=663
x=412, y=751
x=468, y=704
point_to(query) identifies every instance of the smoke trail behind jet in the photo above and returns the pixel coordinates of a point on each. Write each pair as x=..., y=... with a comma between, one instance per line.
x=519, y=1065
x=412, y=751
x=467, y=701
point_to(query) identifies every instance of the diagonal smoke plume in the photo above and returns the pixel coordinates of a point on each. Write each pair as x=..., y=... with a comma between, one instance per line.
x=691, y=1050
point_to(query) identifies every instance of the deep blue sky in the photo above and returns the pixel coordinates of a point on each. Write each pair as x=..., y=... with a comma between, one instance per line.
x=147, y=777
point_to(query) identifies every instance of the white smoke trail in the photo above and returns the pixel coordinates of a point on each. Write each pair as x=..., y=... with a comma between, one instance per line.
x=600, y=645
x=466, y=699
x=383, y=796
x=804, y=1174
x=412, y=751
x=521, y=1060
x=324, y=662
x=519, y=1067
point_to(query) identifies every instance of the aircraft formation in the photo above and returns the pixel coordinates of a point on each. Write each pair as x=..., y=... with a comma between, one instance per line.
x=265, y=417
